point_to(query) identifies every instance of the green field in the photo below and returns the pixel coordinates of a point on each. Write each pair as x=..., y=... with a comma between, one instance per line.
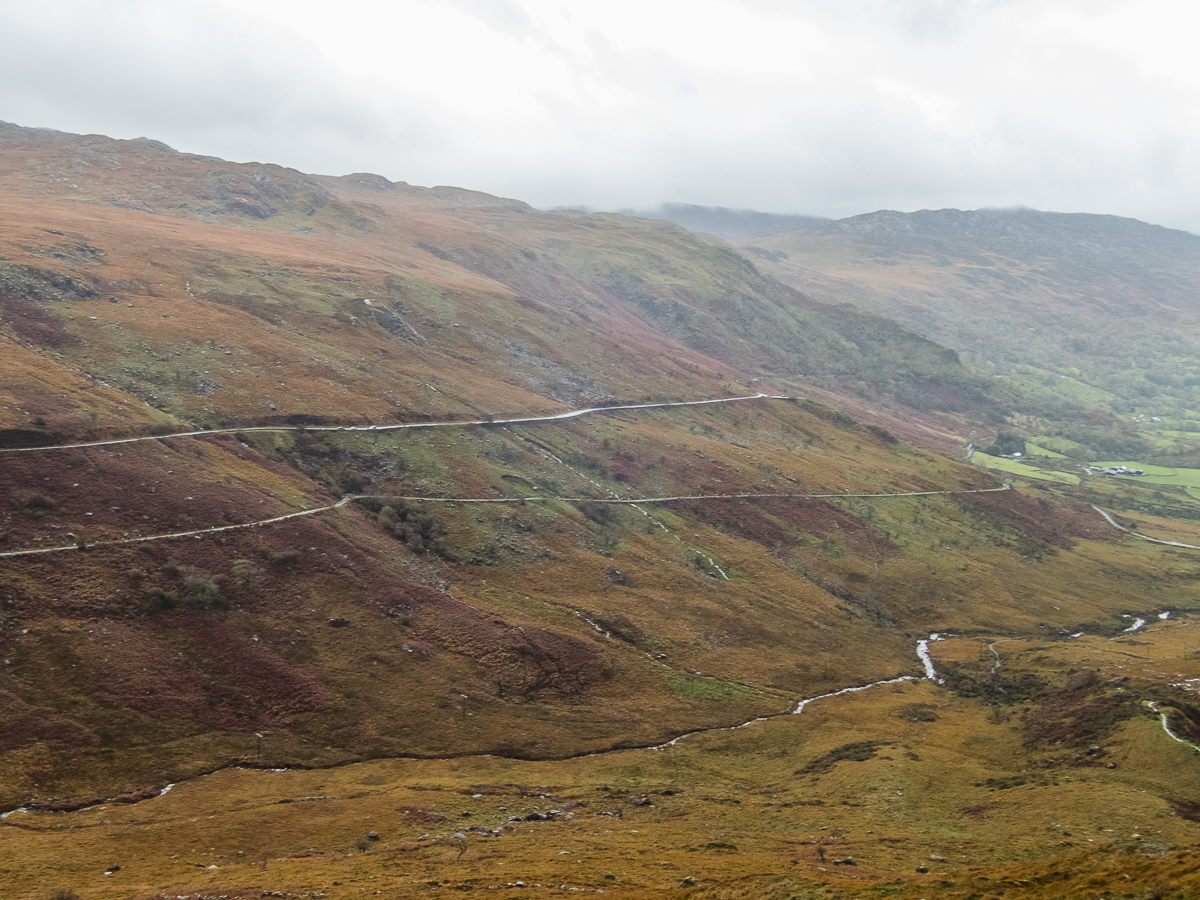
x=1189, y=479
x=1024, y=470
x=1032, y=449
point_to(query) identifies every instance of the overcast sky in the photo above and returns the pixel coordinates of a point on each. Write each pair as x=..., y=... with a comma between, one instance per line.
x=821, y=107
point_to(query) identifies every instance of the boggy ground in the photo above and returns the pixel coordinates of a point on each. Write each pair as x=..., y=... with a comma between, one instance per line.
x=907, y=791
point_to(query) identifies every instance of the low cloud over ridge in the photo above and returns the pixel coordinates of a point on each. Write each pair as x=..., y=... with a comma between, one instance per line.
x=805, y=107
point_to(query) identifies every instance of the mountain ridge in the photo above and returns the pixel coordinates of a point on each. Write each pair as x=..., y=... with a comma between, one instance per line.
x=1104, y=303
x=728, y=224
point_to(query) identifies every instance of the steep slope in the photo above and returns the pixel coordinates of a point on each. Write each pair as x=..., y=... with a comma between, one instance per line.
x=385, y=272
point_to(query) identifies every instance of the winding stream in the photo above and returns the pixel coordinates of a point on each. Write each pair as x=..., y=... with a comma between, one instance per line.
x=922, y=652
x=1166, y=726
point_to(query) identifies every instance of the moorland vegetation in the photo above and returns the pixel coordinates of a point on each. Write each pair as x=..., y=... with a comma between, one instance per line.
x=492, y=655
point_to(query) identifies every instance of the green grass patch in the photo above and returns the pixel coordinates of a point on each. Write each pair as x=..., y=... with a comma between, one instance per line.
x=1032, y=449
x=697, y=688
x=1187, y=478
x=1023, y=470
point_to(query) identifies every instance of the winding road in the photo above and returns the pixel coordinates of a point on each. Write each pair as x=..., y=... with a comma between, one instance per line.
x=922, y=645
x=449, y=424
x=1137, y=534
x=200, y=532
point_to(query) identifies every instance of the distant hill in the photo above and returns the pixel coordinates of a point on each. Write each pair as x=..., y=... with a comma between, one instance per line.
x=1106, y=302
x=728, y=224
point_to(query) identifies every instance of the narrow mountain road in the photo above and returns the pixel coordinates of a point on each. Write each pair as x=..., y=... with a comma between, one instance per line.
x=1137, y=534
x=200, y=532
x=452, y=424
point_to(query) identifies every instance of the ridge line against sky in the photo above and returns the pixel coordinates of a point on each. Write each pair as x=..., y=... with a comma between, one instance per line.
x=810, y=107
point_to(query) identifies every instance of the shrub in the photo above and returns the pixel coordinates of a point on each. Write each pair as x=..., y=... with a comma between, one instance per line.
x=410, y=523
x=600, y=513
x=918, y=712
x=859, y=751
x=371, y=504
x=882, y=433
x=1006, y=444
x=203, y=591
x=621, y=628
x=158, y=600
x=993, y=689
x=246, y=575
x=283, y=557
x=36, y=506
x=352, y=483
x=198, y=589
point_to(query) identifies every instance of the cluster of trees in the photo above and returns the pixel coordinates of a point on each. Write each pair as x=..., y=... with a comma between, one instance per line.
x=411, y=523
x=1006, y=444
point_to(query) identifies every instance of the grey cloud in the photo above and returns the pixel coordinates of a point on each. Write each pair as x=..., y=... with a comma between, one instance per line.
x=200, y=78
x=504, y=15
x=820, y=108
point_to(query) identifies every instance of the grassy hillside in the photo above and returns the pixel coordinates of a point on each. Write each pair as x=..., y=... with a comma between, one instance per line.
x=363, y=578
x=1087, y=317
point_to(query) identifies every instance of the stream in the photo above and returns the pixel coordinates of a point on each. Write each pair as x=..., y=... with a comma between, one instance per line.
x=922, y=652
